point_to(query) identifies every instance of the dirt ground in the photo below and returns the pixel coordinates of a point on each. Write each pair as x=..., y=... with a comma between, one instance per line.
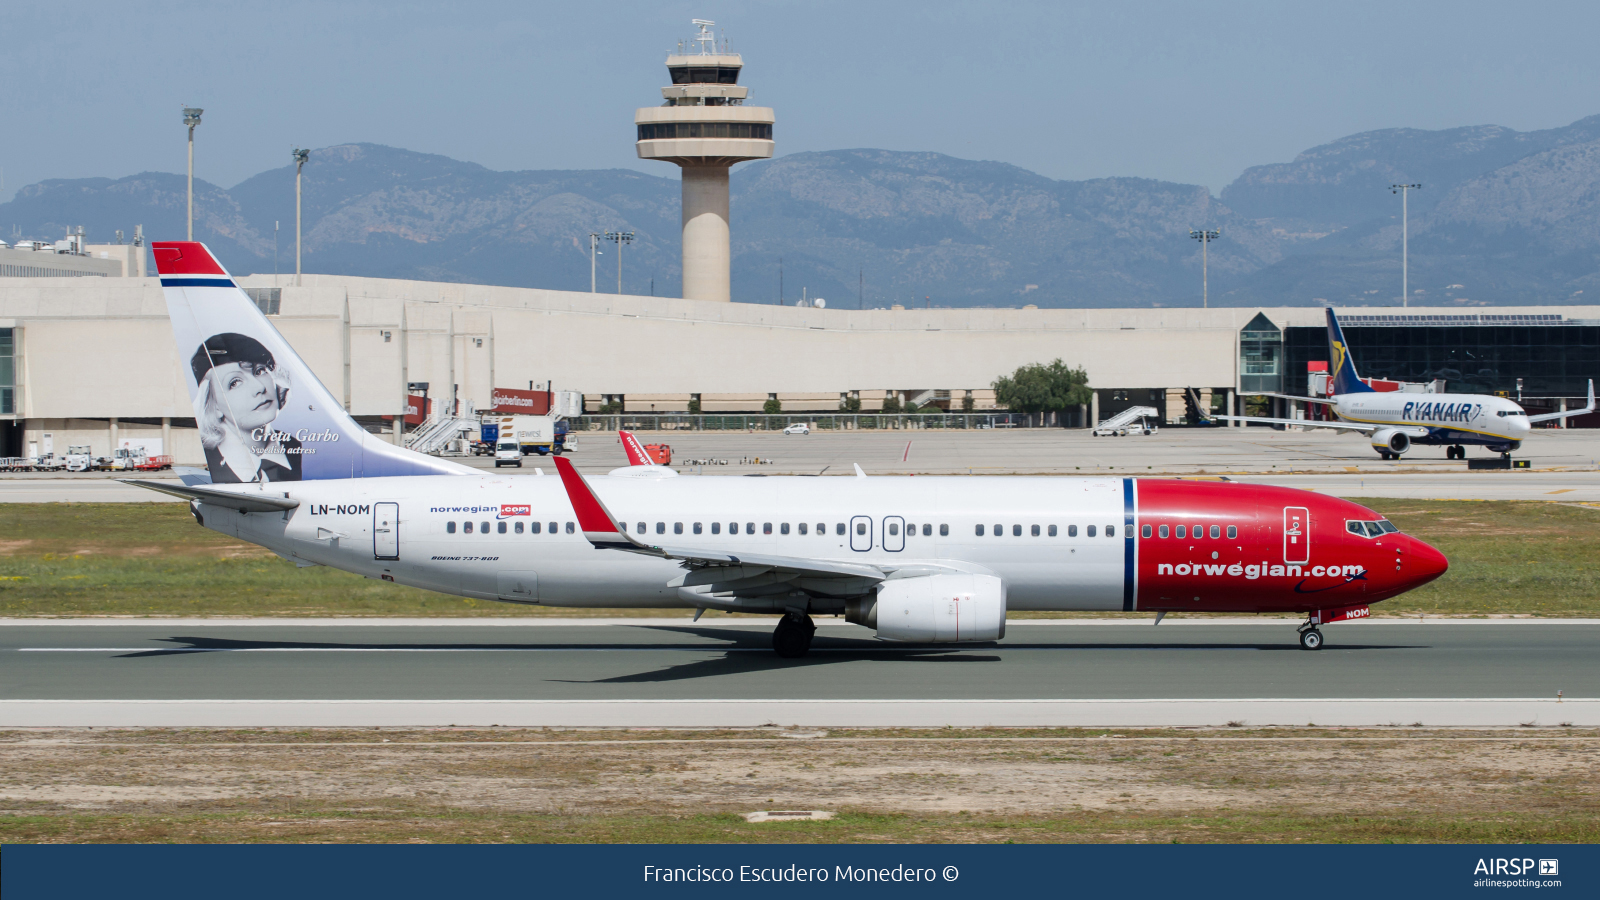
x=956, y=785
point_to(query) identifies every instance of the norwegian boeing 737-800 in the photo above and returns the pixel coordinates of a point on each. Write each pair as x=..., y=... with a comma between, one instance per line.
x=924, y=560
x=1393, y=421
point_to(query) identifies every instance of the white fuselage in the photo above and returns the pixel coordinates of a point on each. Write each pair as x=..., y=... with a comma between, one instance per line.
x=340, y=524
x=1437, y=418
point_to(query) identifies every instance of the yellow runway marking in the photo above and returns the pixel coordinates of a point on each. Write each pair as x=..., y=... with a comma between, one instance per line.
x=1562, y=491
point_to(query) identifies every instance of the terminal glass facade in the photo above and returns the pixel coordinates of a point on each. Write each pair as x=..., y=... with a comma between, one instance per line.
x=1260, y=357
x=8, y=372
x=1554, y=357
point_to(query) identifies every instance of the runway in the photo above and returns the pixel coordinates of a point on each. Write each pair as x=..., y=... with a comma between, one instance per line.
x=670, y=673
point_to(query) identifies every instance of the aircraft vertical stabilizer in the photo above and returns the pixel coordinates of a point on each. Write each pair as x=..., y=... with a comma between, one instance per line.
x=1341, y=368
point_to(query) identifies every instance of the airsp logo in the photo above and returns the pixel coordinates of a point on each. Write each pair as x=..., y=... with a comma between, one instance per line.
x=1503, y=866
x=1549, y=867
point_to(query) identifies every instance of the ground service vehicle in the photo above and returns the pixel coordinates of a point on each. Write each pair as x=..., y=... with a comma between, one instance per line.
x=1394, y=421
x=507, y=453
x=798, y=428
x=916, y=562
x=79, y=458
x=533, y=434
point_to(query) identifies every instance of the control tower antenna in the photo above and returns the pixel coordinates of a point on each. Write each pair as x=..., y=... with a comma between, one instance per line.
x=704, y=128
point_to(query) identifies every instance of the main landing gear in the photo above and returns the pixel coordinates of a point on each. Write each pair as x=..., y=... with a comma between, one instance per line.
x=1310, y=638
x=792, y=638
x=1456, y=452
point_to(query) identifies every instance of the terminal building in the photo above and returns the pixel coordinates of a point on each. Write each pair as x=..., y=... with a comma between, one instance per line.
x=92, y=360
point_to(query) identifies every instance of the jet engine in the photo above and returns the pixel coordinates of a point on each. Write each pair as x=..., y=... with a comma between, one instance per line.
x=935, y=609
x=1391, y=440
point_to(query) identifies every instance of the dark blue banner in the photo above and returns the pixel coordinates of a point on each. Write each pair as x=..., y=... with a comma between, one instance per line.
x=245, y=872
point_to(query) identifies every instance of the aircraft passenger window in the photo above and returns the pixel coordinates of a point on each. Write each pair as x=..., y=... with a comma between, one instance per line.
x=894, y=528
x=750, y=528
x=733, y=527
x=1052, y=531
x=1216, y=532
x=449, y=528
x=1233, y=532
x=822, y=528
x=784, y=528
x=1374, y=529
x=716, y=527
x=766, y=527
x=553, y=527
x=999, y=530
x=802, y=528
x=533, y=527
x=622, y=526
x=518, y=528
x=501, y=527
x=1145, y=531
x=1111, y=531
x=838, y=528
x=1089, y=531
x=483, y=527
x=1035, y=531
x=1356, y=528
x=944, y=531
x=466, y=527
x=570, y=528
x=1199, y=532
x=1072, y=531
x=1165, y=532
x=1016, y=531
x=927, y=531
x=861, y=528
x=1180, y=531
x=661, y=528
x=697, y=528
x=642, y=528
x=1388, y=526
x=979, y=531
x=677, y=528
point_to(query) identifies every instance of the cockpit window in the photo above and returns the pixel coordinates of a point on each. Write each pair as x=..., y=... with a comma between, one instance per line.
x=1370, y=529
x=1388, y=526
x=1374, y=529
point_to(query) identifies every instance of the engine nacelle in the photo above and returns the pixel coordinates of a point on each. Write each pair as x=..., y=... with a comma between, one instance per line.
x=1391, y=439
x=935, y=609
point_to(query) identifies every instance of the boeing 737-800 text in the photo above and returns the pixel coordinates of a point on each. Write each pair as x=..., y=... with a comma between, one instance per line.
x=916, y=560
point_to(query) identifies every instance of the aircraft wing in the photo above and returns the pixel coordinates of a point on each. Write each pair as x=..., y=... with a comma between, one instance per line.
x=1571, y=412
x=1323, y=400
x=600, y=527
x=1345, y=426
x=215, y=496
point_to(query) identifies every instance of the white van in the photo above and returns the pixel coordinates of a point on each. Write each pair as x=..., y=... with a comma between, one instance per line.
x=507, y=453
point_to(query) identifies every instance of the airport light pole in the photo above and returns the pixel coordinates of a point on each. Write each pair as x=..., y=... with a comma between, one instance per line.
x=620, y=237
x=1405, y=262
x=594, y=250
x=191, y=118
x=300, y=157
x=1205, y=238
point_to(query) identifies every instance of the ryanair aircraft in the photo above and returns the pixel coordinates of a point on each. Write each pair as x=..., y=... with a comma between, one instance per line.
x=1395, y=420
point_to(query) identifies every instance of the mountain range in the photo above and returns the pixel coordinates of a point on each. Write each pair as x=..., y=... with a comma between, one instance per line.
x=1503, y=218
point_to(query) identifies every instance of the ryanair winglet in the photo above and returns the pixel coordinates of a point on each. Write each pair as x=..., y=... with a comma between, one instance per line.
x=1340, y=365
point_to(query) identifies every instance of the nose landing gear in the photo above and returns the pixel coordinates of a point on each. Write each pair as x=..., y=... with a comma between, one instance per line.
x=792, y=638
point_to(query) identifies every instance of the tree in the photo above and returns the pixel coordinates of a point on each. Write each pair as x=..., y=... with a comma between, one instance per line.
x=968, y=403
x=772, y=407
x=694, y=406
x=1041, y=388
x=891, y=403
x=851, y=403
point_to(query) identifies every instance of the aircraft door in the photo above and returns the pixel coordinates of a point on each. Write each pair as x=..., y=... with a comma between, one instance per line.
x=861, y=533
x=386, y=530
x=894, y=533
x=1296, y=535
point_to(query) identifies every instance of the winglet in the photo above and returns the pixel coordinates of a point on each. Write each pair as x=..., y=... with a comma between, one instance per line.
x=596, y=522
x=859, y=473
x=635, y=450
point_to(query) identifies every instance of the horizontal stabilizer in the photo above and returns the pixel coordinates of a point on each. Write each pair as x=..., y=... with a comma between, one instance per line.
x=244, y=502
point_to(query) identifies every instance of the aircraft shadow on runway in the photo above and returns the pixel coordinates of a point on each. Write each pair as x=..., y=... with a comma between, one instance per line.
x=739, y=651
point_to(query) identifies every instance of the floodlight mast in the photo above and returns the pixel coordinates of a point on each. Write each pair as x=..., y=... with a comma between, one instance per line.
x=191, y=118
x=1405, y=262
x=620, y=238
x=594, y=250
x=1205, y=238
x=300, y=157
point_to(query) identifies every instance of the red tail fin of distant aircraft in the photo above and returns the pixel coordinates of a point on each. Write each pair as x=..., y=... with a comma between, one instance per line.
x=635, y=450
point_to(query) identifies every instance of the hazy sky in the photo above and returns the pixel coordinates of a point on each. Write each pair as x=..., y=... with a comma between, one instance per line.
x=1182, y=91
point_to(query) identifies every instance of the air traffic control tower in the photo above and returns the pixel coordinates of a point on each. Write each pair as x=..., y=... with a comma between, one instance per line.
x=704, y=127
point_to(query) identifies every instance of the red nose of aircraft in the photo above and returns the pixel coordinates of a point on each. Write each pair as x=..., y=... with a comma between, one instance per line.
x=1422, y=565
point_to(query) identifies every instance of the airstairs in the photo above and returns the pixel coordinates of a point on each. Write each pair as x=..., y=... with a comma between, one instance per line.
x=438, y=431
x=1127, y=417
